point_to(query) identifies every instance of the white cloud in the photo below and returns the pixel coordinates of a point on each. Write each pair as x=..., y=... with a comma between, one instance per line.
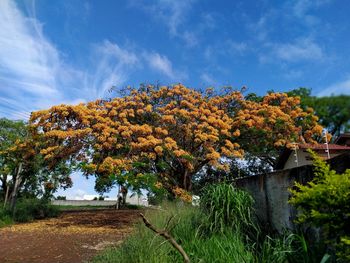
x=342, y=87
x=261, y=28
x=25, y=56
x=113, y=67
x=304, y=49
x=162, y=64
x=302, y=10
x=32, y=69
x=237, y=47
x=207, y=79
x=302, y=7
x=173, y=15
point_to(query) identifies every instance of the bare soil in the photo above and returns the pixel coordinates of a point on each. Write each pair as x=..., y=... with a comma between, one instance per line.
x=73, y=237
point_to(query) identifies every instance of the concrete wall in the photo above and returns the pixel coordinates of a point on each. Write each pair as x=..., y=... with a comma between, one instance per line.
x=271, y=194
x=83, y=202
x=134, y=200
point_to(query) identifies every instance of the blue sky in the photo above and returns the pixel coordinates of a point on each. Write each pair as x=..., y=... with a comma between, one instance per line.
x=54, y=52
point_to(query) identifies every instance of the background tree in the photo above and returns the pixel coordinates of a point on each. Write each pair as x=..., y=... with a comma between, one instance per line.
x=10, y=133
x=22, y=170
x=160, y=137
x=333, y=111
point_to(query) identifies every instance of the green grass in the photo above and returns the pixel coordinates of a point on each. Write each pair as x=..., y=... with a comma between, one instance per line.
x=222, y=229
x=5, y=218
x=27, y=210
x=144, y=246
x=228, y=207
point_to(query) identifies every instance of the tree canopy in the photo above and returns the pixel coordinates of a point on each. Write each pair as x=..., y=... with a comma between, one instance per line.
x=160, y=137
x=22, y=169
x=333, y=111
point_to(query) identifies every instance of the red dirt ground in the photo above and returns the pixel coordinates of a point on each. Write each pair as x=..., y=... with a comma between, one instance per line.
x=73, y=237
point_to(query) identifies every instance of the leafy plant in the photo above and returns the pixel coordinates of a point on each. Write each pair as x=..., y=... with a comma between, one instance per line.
x=29, y=209
x=226, y=206
x=5, y=218
x=325, y=203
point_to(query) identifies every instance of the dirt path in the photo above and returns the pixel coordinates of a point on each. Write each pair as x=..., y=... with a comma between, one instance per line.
x=73, y=237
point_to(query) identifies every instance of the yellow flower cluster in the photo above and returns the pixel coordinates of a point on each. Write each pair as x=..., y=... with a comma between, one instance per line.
x=180, y=125
x=182, y=194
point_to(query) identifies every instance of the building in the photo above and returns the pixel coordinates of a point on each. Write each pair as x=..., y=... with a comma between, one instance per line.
x=343, y=139
x=291, y=158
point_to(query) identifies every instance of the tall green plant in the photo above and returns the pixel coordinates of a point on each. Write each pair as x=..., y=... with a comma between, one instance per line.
x=325, y=203
x=226, y=206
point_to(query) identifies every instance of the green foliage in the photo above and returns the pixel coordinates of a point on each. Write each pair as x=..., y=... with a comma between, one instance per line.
x=5, y=218
x=325, y=202
x=333, y=111
x=35, y=177
x=143, y=246
x=226, y=243
x=30, y=209
x=226, y=206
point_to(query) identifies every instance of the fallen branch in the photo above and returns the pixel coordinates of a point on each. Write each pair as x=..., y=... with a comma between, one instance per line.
x=167, y=236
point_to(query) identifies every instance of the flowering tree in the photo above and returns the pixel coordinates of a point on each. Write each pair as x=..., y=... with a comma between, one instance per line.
x=22, y=170
x=161, y=136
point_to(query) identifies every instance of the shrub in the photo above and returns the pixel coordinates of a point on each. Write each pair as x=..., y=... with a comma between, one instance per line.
x=29, y=209
x=5, y=218
x=325, y=203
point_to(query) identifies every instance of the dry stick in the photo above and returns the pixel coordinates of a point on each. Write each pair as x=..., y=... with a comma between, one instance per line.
x=168, y=237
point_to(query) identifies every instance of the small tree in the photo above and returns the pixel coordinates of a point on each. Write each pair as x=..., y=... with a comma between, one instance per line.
x=325, y=202
x=23, y=171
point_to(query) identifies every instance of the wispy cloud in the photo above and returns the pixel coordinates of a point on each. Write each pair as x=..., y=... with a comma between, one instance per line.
x=301, y=49
x=113, y=67
x=342, y=87
x=303, y=11
x=173, y=14
x=304, y=49
x=237, y=47
x=162, y=64
x=301, y=8
x=33, y=71
x=208, y=79
x=27, y=59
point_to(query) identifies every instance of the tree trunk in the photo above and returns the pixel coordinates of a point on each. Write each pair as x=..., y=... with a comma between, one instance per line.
x=3, y=181
x=6, y=195
x=187, y=181
x=17, y=182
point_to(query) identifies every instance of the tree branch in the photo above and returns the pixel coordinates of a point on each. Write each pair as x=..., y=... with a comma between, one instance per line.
x=167, y=236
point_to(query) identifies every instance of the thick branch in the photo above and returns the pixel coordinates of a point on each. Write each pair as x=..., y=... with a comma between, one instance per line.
x=167, y=236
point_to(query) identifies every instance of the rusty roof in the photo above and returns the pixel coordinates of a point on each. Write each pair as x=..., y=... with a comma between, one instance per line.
x=322, y=146
x=316, y=147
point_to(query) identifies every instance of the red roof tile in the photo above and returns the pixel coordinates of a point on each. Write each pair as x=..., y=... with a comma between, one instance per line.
x=323, y=146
